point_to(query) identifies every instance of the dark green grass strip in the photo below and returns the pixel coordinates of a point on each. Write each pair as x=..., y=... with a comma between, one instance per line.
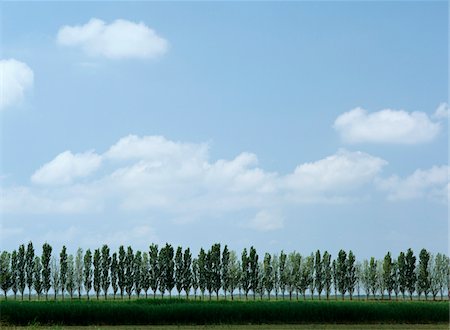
x=165, y=311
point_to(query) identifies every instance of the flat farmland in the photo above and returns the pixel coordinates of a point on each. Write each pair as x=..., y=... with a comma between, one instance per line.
x=206, y=313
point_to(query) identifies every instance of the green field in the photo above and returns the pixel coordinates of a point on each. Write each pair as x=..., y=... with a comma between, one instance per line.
x=186, y=312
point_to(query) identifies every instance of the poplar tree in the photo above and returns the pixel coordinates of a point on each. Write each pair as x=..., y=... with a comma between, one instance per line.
x=137, y=266
x=318, y=271
x=365, y=277
x=14, y=273
x=145, y=273
x=167, y=265
x=388, y=274
x=105, y=267
x=341, y=272
x=129, y=271
x=335, y=278
x=292, y=269
x=63, y=269
x=380, y=281
x=5, y=273
x=268, y=274
x=216, y=280
x=70, y=282
x=260, y=286
x=195, y=277
x=202, y=272
x=423, y=276
x=358, y=275
x=225, y=271
x=276, y=274
x=309, y=265
x=187, y=271
x=114, y=274
x=79, y=269
x=29, y=267
x=154, y=268
x=434, y=275
x=97, y=272
x=21, y=263
x=327, y=273
x=55, y=276
x=410, y=272
x=87, y=272
x=179, y=270
x=373, y=276
x=245, y=274
x=395, y=279
x=402, y=270
x=441, y=272
x=234, y=273
x=351, y=278
x=121, y=266
x=208, y=267
x=46, y=256
x=37, y=276
x=283, y=275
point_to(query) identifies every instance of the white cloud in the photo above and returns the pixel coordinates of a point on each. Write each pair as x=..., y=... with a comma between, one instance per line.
x=66, y=167
x=15, y=79
x=118, y=40
x=442, y=111
x=386, y=126
x=340, y=172
x=266, y=221
x=432, y=183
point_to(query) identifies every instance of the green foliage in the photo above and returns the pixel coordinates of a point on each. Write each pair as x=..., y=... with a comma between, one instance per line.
x=63, y=269
x=14, y=273
x=114, y=274
x=37, y=276
x=70, y=282
x=187, y=271
x=5, y=272
x=410, y=272
x=105, y=267
x=46, y=256
x=97, y=272
x=268, y=274
x=154, y=268
x=318, y=271
x=121, y=280
x=145, y=273
x=137, y=266
x=284, y=276
x=225, y=271
x=245, y=273
x=327, y=273
x=423, y=276
x=195, y=276
x=79, y=268
x=29, y=267
x=167, y=266
x=388, y=274
x=21, y=263
x=341, y=272
x=351, y=278
x=202, y=271
x=129, y=271
x=87, y=272
x=156, y=311
x=179, y=270
x=401, y=261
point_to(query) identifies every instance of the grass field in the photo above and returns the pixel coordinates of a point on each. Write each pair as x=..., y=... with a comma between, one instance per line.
x=185, y=312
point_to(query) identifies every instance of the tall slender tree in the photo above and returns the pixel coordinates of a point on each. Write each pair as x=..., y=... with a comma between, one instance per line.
x=154, y=268
x=114, y=274
x=395, y=279
x=63, y=270
x=245, y=273
x=309, y=265
x=283, y=274
x=234, y=273
x=423, y=274
x=97, y=272
x=276, y=274
x=121, y=267
x=14, y=273
x=87, y=272
x=55, y=276
x=318, y=271
x=410, y=272
x=70, y=280
x=373, y=276
x=225, y=271
x=268, y=274
x=380, y=282
x=365, y=277
x=129, y=272
x=351, y=278
x=402, y=270
x=195, y=277
x=5, y=273
x=202, y=272
x=187, y=271
x=179, y=270
x=216, y=268
x=137, y=267
x=21, y=264
x=37, y=276
x=79, y=270
x=29, y=267
x=358, y=275
x=105, y=279
x=46, y=256
x=167, y=268
x=388, y=274
x=145, y=273
x=341, y=272
x=327, y=273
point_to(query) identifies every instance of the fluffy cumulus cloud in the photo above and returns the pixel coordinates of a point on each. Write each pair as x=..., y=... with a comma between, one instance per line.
x=154, y=175
x=432, y=183
x=15, y=79
x=117, y=40
x=386, y=126
x=66, y=167
x=442, y=111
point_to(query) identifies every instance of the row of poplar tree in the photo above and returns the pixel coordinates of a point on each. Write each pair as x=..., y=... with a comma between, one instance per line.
x=220, y=271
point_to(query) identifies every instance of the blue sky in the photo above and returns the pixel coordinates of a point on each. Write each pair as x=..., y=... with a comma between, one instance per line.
x=290, y=126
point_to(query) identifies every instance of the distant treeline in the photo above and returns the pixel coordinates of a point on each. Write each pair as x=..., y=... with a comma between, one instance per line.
x=217, y=270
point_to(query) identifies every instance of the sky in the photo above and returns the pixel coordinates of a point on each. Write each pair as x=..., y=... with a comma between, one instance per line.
x=280, y=125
